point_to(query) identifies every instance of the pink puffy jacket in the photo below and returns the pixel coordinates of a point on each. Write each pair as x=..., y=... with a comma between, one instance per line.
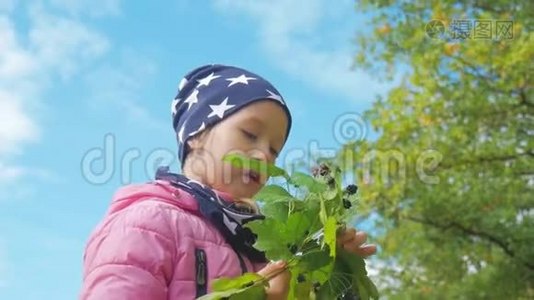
x=153, y=244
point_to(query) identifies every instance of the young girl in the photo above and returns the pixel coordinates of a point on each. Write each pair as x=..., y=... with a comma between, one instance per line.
x=170, y=238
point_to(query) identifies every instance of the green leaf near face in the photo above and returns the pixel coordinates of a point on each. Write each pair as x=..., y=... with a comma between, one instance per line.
x=242, y=162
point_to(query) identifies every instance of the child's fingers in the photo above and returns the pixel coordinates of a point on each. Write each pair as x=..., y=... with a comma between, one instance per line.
x=366, y=250
x=279, y=284
x=356, y=243
x=346, y=236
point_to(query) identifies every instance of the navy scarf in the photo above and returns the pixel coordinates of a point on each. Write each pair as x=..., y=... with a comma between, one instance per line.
x=224, y=216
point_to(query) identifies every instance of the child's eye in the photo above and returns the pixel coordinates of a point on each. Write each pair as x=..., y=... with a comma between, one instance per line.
x=249, y=135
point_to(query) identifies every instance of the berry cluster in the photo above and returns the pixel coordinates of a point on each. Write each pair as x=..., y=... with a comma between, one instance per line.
x=351, y=189
x=321, y=170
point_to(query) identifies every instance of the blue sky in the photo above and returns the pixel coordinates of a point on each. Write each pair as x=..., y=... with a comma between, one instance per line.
x=75, y=71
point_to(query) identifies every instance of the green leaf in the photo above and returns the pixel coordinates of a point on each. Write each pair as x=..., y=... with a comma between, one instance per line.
x=297, y=224
x=243, y=162
x=277, y=210
x=330, y=194
x=330, y=236
x=225, y=283
x=293, y=284
x=322, y=213
x=355, y=262
x=305, y=180
x=303, y=290
x=362, y=290
x=252, y=292
x=315, y=259
x=273, y=192
x=322, y=274
x=255, y=292
x=370, y=287
x=246, y=286
x=272, y=238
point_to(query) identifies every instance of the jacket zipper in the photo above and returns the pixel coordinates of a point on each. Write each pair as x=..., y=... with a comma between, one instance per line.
x=201, y=272
x=241, y=263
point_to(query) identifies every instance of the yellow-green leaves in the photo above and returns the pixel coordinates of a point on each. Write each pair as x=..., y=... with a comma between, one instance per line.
x=330, y=229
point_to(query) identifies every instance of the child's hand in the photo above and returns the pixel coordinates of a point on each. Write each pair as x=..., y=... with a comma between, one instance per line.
x=278, y=285
x=353, y=242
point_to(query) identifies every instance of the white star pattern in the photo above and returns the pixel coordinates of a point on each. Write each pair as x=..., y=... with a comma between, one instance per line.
x=219, y=110
x=206, y=80
x=241, y=79
x=181, y=134
x=202, y=127
x=229, y=224
x=173, y=105
x=192, y=99
x=183, y=82
x=275, y=96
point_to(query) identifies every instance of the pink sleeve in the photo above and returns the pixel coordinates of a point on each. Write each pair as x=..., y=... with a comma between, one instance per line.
x=131, y=258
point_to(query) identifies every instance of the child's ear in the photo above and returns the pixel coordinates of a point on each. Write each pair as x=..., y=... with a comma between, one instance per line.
x=194, y=144
x=198, y=141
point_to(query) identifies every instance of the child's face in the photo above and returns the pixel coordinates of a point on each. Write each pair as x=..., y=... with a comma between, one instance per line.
x=257, y=131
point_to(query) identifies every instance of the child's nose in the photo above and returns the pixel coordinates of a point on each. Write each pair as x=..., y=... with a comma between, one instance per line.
x=262, y=155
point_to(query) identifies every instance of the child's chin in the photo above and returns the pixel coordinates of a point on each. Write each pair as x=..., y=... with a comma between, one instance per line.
x=248, y=191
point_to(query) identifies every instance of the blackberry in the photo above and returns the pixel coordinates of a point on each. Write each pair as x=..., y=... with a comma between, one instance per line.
x=301, y=278
x=331, y=182
x=324, y=170
x=347, y=204
x=293, y=249
x=351, y=189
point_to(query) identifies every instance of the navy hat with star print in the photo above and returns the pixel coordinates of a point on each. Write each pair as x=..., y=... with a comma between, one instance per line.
x=210, y=93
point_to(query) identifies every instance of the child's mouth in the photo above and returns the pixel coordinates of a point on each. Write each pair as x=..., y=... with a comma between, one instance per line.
x=253, y=176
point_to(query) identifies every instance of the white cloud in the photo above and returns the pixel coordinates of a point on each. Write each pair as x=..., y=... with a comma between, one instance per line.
x=288, y=33
x=16, y=126
x=64, y=45
x=52, y=47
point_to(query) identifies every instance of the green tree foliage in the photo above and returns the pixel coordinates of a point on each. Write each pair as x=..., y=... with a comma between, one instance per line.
x=451, y=174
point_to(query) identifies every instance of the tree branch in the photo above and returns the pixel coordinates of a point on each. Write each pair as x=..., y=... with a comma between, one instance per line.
x=472, y=232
